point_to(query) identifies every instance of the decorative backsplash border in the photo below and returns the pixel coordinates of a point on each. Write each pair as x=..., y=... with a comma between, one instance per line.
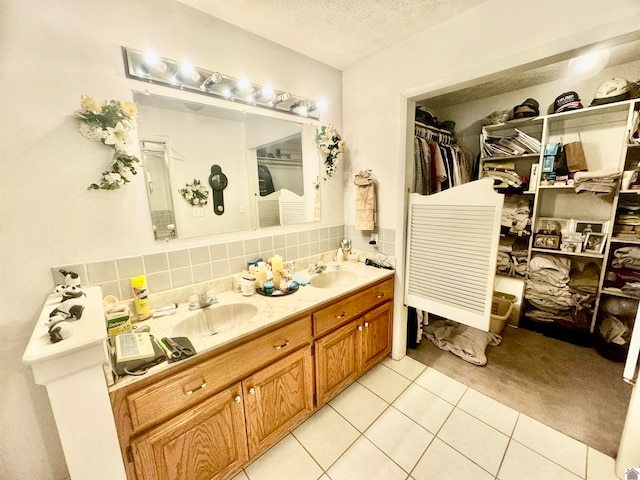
x=179, y=268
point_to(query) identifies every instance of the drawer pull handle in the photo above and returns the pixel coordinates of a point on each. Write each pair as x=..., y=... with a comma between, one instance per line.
x=278, y=347
x=252, y=391
x=342, y=315
x=204, y=384
x=237, y=399
x=366, y=324
x=359, y=328
x=380, y=295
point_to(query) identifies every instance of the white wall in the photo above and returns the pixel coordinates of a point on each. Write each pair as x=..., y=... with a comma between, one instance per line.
x=51, y=53
x=495, y=36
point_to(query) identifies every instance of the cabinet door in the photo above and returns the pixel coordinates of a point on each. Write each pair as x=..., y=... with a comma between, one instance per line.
x=277, y=398
x=207, y=441
x=376, y=336
x=337, y=359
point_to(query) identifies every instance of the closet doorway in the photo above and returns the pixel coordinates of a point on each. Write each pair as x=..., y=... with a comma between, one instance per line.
x=568, y=386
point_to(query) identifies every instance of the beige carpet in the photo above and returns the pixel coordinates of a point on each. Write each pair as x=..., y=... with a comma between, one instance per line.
x=570, y=388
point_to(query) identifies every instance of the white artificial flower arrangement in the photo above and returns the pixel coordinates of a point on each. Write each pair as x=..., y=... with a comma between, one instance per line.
x=195, y=193
x=111, y=122
x=331, y=145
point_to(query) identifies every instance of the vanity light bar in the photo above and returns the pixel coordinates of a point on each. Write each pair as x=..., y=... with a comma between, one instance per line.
x=151, y=68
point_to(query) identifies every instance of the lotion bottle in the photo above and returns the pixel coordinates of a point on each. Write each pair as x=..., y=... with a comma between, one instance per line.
x=141, y=297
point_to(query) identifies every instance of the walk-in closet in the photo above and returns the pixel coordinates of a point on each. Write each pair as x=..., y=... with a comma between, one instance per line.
x=568, y=234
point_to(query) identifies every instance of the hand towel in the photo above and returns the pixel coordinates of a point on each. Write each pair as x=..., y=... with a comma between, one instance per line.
x=365, y=183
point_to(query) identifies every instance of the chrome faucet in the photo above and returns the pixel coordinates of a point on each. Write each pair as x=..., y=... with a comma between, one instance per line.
x=202, y=301
x=318, y=268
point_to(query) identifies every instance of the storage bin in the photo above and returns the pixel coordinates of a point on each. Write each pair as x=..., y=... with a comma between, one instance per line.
x=501, y=306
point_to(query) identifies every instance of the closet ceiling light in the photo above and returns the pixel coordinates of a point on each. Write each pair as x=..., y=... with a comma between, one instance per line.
x=149, y=67
x=588, y=65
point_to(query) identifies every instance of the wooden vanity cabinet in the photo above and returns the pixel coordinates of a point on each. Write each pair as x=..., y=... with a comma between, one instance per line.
x=207, y=418
x=351, y=349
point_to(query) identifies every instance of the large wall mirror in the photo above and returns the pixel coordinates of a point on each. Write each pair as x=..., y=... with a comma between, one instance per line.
x=265, y=169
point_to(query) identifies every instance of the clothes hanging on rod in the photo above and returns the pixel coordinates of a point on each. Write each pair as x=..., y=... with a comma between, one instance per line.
x=439, y=163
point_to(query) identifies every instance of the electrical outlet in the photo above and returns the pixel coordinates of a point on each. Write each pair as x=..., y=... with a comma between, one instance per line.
x=198, y=212
x=241, y=208
x=374, y=239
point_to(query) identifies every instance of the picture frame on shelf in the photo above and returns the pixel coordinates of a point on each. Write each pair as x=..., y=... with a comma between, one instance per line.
x=594, y=242
x=553, y=226
x=590, y=226
x=543, y=240
x=572, y=242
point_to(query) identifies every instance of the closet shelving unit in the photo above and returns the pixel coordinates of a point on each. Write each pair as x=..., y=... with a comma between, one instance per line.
x=604, y=131
x=523, y=163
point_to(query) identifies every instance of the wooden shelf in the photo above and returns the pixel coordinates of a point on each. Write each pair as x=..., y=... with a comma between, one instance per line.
x=502, y=158
x=570, y=254
x=634, y=241
x=617, y=292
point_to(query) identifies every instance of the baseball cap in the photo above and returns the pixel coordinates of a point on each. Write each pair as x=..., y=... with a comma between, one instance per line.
x=567, y=101
x=528, y=108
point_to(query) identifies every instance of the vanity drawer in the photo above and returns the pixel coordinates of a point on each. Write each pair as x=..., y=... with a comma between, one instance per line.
x=351, y=307
x=184, y=389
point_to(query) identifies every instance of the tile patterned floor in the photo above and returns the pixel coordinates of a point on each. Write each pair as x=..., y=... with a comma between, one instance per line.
x=405, y=421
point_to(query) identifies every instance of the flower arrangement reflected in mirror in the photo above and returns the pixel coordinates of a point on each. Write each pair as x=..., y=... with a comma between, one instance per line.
x=195, y=193
x=112, y=123
x=331, y=145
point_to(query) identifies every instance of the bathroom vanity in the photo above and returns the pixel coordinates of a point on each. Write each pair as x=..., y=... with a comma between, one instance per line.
x=211, y=414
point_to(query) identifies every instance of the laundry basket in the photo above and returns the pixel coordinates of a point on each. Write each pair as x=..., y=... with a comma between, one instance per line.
x=500, y=310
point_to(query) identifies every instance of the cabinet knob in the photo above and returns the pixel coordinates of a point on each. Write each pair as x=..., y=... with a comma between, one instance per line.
x=360, y=328
x=252, y=391
x=237, y=399
x=278, y=347
x=343, y=314
x=380, y=295
x=189, y=392
x=366, y=324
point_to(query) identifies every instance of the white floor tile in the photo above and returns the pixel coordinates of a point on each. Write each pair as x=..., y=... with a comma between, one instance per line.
x=448, y=388
x=384, y=382
x=286, y=460
x=556, y=446
x=363, y=461
x=488, y=410
x=241, y=476
x=474, y=439
x=326, y=436
x=600, y=466
x=399, y=437
x=359, y=406
x=441, y=462
x=521, y=462
x=424, y=407
x=406, y=366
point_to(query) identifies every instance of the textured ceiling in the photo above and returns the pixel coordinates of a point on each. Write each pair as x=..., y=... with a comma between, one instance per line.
x=336, y=32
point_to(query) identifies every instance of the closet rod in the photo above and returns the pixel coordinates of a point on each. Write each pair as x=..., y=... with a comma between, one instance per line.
x=433, y=133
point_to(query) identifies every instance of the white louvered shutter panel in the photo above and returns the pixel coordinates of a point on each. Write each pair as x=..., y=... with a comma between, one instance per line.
x=452, y=246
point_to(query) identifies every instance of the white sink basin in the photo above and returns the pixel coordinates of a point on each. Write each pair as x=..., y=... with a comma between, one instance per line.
x=335, y=278
x=214, y=319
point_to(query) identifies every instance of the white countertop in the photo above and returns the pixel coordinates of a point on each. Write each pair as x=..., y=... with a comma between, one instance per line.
x=88, y=331
x=271, y=311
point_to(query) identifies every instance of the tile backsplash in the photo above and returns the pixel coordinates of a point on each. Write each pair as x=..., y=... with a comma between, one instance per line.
x=183, y=267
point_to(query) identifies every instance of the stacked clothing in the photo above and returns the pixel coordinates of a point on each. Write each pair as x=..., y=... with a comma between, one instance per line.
x=601, y=182
x=512, y=257
x=547, y=288
x=625, y=270
x=516, y=215
x=627, y=224
x=503, y=174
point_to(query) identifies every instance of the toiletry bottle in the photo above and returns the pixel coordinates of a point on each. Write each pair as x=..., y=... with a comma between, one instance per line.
x=340, y=256
x=277, y=268
x=141, y=297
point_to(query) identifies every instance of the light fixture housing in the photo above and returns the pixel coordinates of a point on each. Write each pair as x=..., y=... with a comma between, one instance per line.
x=184, y=76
